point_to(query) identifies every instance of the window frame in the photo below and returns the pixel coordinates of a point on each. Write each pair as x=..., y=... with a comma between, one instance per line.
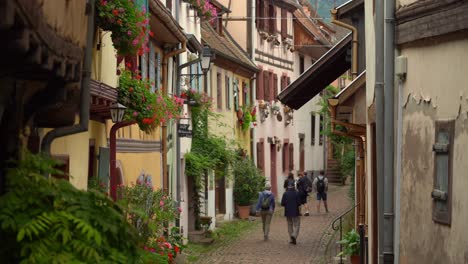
x=443, y=217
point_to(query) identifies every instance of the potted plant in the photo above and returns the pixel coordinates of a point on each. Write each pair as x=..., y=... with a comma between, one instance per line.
x=350, y=244
x=248, y=182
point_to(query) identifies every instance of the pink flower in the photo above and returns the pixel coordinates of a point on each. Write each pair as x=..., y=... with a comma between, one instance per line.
x=161, y=203
x=179, y=209
x=135, y=42
x=129, y=32
x=135, y=113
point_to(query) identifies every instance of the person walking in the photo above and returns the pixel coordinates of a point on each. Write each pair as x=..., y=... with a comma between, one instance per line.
x=266, y=208
x=289, y=181
x=304, y=187
x=291, y=202
x=321, y=186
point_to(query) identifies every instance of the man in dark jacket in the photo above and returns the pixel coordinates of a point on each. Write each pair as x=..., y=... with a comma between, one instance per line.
x=304, y=186
x=266, y=207
x=291, y=202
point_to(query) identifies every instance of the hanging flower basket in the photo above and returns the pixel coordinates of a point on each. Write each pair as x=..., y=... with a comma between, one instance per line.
x=204, y=8
x=145, y=107
x=194, y=98
x=128, y=24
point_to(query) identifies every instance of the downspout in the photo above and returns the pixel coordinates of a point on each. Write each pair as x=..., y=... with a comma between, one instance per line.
x=389, y=115
x=164, y=126
x=354, y=65
x=379, y=120
x=85, y=89
x=253, y=135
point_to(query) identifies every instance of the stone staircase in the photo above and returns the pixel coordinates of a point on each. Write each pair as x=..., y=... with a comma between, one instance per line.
x=333, y=172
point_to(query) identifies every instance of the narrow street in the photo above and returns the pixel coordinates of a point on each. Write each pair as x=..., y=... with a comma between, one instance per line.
x=310, y=243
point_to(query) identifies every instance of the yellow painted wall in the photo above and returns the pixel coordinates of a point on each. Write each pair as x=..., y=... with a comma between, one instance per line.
x=133, y=164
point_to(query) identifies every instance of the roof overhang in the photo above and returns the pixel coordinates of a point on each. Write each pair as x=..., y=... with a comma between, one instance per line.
x=166, y=29
x=349, y=7
x=193, y=44
x=318, y=76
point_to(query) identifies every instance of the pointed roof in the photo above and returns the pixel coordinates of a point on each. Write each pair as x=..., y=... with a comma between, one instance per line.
x=226, y=47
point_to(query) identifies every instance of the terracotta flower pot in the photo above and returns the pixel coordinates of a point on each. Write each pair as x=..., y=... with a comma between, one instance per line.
x=355, y=259
x=243, y=211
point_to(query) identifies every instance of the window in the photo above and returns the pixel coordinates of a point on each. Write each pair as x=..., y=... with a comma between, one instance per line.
x=301, y=64
x=219, y=91
x=259, y=13
x=236, y=94
x=284, y=23
x=275, y=86
x=301, y=152
x=312, y=129
x=271, y=86
x=169, y=4
x=228, y=92
x=443, y=160
x=245, y=100
x=259, y=92
x=321, y=130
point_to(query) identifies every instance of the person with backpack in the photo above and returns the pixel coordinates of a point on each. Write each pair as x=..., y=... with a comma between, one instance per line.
x=291, y=202
x=265, y=208
x=304, y=187
x=321, y=186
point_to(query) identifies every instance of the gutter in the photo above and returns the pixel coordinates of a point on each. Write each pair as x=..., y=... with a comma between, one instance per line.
x=355, y=42
x=164, y=127
x=82, y=126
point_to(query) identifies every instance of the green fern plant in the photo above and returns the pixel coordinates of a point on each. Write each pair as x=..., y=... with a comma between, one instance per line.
x=50, y=221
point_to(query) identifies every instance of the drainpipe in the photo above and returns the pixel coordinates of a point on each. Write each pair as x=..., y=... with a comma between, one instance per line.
x=166, y=57
x=389, y=97
x=84, y=93
x=379, y=118
x=354, y=65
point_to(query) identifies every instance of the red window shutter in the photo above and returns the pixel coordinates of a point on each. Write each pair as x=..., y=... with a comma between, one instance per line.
x=286, y=157
x=284, y=23
x=266, y=6
x=260, y=156
x=291, y=157
x=272, y=87
x=259, y=13
x=275, y=86
x=259, y=89
x=272, y=20
x=266, y=85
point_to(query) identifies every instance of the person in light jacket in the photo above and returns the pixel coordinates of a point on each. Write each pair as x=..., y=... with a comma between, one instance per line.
x=291, y=202
x=266, y=208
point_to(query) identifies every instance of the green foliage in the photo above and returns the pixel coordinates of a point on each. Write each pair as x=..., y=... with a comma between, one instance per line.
x=350, y=244
x=147, y=108
x=127, y=23
x=248, y=181
x=50, y=221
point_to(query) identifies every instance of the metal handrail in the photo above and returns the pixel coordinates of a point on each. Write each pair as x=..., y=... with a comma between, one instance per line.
x=340, y=219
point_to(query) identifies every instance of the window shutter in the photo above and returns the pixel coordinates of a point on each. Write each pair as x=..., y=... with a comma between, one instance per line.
x=266, y=5
x=284, y=23
x=288, y=80
x=260, y=82
x=312, y=129
x=301, y=155
x=261, y=156
x=271, y=94
x=286, y=157
x=258, y=13
x=291, y=157
x=266, y=84
x=272, y=18
x=219, y=93
x=275, y=86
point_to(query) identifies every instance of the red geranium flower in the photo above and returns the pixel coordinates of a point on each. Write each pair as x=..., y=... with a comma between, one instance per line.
x=115, y=12
x=151, y=33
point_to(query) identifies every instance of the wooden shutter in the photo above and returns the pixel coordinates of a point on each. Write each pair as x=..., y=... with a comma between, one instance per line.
x=275, y=86
x=286, y=157
x=312, y=129
x=260, y=92
x=259, y=13
x=284, y=23
x=291, y=157
x=266, y=6
x=219, y=93
x=288, y=80
x=261, y=156
x=271, y=94
x=266, y=85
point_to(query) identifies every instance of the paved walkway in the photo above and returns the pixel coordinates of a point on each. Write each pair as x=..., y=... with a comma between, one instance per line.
x=310, y=243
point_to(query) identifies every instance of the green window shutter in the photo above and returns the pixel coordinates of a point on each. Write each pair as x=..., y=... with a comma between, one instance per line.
x=103, y=169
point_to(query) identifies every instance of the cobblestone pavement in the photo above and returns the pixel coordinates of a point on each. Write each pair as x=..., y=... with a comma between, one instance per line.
x=311, y=241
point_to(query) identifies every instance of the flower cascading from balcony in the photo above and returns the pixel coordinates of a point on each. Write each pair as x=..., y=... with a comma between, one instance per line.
x=128, y=23
x=204, y=8
x=147, y=108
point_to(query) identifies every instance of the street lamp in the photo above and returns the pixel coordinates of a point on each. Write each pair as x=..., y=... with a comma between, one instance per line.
x=207, y=55
x=117, y=112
